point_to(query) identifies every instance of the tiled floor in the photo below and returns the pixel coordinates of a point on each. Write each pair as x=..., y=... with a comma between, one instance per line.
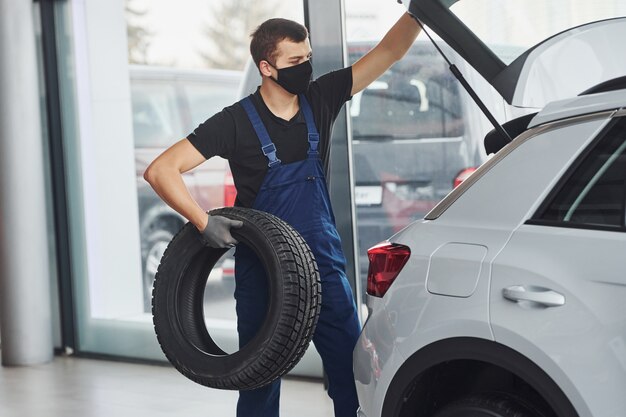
x=77, y=387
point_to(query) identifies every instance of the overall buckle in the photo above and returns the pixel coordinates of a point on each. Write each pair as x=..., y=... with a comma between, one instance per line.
x=314, y=139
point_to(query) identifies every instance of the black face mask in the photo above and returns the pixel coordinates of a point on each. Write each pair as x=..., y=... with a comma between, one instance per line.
x=295, y=79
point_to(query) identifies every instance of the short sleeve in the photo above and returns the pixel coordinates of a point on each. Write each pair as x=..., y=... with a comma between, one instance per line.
x=335, y=88
x=215, y=136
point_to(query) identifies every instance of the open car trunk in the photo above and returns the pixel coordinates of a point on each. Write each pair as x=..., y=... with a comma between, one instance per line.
x=562, y=53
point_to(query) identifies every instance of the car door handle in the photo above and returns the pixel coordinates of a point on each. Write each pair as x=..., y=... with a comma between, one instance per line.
x=539, y=295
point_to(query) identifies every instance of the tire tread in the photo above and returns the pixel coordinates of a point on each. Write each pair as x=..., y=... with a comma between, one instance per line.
x=301, y=304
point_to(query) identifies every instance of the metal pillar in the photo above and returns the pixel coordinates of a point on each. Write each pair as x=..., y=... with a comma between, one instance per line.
x=325, y=19
x=25, y=312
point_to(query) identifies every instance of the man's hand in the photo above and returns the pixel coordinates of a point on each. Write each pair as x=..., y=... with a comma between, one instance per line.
x=216, y=234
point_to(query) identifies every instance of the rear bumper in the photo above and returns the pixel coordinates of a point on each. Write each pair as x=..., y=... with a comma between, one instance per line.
x=375, y=360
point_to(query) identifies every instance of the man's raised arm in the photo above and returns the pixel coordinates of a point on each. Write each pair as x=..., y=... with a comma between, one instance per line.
x=390, y=49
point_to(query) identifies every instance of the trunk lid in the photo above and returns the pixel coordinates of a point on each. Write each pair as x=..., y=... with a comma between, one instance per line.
x=532, y=51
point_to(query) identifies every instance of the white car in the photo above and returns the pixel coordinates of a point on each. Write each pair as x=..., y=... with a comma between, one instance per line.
x=509, y=298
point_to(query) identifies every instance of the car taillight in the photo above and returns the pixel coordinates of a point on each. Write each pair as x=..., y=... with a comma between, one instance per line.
x=463, y=175
x=230, y=192
x=386, y=262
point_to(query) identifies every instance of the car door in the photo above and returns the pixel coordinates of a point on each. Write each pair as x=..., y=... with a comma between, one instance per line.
x=559, y=285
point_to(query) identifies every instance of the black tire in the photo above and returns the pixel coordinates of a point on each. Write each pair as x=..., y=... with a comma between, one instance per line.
x=292, y=312
x=156, y=243
x=488, y=405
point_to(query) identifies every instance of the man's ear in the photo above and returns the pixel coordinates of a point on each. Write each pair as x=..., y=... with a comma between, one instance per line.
x=265, y=68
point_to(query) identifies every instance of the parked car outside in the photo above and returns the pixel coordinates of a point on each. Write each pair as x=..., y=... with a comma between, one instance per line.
x=507, y=299
x=167, y=104
x=415, y=136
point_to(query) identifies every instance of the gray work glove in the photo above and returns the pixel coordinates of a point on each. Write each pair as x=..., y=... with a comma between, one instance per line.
x=216, y=234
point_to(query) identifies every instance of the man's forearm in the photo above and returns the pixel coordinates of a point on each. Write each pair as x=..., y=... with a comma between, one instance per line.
x=401, y=36
x=390, y=49
x=169, y=185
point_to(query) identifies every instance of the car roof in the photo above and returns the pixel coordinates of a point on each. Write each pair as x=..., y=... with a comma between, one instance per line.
x=578, y=106
x=153, y=72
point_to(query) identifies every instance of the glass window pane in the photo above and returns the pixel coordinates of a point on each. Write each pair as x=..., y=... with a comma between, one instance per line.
x=210, y=97
x=156, y=118
x=419, y=91
x=414, y=130
x=596, y=192
x=136, y=77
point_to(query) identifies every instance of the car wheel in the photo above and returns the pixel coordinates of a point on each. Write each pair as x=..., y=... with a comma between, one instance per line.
x=292, y=311
x=488, y=405
x=156, y=243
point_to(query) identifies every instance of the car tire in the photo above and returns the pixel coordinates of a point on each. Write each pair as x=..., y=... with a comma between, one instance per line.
x=488, y=405
x=293, y=306
x=156, y=242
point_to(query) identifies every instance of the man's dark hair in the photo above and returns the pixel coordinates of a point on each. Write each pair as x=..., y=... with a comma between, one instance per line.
x=266, y=37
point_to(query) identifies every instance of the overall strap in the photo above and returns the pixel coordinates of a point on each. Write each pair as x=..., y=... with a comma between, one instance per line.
x=267, y=146
x=314, y=137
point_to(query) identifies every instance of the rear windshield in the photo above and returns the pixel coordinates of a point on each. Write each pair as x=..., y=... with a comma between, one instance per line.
x=521, y=24
x=160, y=119
x=208, y=98
x=416, y=98
x=156, y=117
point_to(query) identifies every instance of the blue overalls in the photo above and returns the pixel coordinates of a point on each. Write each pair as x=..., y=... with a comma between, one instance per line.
x=297, y=193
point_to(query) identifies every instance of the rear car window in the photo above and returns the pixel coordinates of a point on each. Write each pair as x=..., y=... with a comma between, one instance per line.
x=416, y=98
x=156, y=122
x=206, y=99
x=595, y=193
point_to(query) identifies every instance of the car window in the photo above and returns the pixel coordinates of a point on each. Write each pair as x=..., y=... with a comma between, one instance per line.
x=524, y=23
x=156, y=122
x=416, y=98
x=595, y=193
x=206, y=99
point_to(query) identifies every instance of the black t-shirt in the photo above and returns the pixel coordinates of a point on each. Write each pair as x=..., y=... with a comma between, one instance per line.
x=230, y=134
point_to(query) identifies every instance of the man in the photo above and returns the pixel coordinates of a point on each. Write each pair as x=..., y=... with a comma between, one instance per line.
x=277, y=144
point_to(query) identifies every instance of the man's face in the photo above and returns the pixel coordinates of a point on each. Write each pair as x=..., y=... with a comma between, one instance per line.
x=288, y=54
